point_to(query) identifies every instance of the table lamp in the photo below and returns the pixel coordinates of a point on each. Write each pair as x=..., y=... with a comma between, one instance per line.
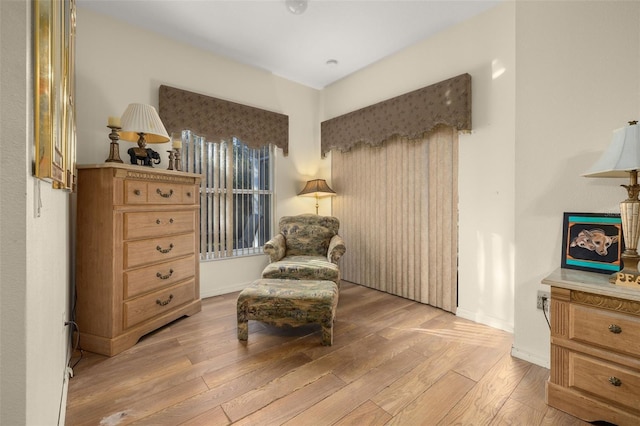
x=142, y=123
x=621, y=160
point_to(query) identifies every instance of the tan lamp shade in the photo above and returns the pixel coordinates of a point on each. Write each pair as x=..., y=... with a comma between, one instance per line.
x=317, y=188
x=142, y=121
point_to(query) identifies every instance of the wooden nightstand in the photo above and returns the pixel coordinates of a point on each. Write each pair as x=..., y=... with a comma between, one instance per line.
x=595, y=348
x=137, y=257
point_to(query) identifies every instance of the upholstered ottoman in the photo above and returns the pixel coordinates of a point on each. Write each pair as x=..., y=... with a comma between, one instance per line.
x=288, y=302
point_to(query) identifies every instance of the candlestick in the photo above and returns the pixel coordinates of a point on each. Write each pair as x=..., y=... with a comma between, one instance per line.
x=115, y=122
x=172, y=157
x=178, y=162
x=114, y=148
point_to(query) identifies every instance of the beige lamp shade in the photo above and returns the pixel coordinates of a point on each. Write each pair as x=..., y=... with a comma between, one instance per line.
x=621, y=157
x=142, y=121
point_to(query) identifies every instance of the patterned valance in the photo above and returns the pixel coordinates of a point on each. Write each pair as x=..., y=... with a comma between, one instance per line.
x=410, y=115
x=217, y=119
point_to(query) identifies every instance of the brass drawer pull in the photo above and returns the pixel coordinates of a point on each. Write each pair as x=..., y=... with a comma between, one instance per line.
x=161, y=250
x=164, y=277
x=615, y=329
x=158, y=221
x=164, y=195
x=615, y=381
x=136, y=192
x=164, y=302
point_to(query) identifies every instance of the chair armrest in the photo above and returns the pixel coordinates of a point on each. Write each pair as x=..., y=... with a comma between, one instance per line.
x=275, y=248
x=336, y=249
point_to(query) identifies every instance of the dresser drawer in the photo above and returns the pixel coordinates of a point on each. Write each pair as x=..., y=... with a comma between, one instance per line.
x=140, y=192
x=151, y=278
x=153, y=250
x=153, y=224
x=611, y=330
x=605, y=380
x=190, y=194
x=135, y=192
x=145, y=307
x=166, y=193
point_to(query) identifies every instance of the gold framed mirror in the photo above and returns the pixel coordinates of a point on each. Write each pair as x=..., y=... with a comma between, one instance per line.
x=54, y=89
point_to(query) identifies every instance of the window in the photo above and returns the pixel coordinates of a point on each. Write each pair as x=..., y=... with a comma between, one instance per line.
x=236, y=195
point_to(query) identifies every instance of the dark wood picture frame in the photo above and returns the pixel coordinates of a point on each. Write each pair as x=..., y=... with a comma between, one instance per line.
x=592, y=242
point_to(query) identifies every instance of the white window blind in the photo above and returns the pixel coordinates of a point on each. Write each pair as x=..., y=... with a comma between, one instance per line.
x=236, y=195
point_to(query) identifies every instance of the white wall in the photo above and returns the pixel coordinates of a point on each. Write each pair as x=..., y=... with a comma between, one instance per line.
x=578, y=79
x=484, y=47
x=34, y=252
x=118, y=64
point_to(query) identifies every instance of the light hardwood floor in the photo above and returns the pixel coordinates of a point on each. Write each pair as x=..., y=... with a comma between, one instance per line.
x=393, y=362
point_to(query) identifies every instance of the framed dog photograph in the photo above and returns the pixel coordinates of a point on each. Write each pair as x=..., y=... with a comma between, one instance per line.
x=592, y=242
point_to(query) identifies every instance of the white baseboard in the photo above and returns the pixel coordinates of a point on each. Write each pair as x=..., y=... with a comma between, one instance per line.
x=484, y=319
x=223, y=290
x=534, y=359
x=62, y=411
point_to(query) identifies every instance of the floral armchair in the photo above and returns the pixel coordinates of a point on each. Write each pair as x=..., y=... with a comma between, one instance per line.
x=308, y=247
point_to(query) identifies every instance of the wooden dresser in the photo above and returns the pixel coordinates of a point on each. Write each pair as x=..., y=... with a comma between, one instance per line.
x=137, y=258
x=595, y=348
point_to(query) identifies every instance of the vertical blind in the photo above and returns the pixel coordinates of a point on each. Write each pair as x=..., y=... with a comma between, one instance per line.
x=395, y=166
x=235, y=195
x=398, y=213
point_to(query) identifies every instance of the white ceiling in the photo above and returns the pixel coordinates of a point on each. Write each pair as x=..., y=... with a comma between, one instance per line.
x=264, y=34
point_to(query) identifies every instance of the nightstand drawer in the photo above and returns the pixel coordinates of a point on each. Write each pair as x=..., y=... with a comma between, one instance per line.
x=153, y=224
x=145, y=252
x=611, y=330
x=145, y=307
x=150, y=278
x=606, y=380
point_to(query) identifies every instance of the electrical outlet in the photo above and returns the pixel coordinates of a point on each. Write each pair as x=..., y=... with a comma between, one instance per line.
x=543, y=295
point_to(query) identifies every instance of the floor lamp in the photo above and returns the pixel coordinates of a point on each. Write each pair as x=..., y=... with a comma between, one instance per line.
x=622, y=160
x=317, y=188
